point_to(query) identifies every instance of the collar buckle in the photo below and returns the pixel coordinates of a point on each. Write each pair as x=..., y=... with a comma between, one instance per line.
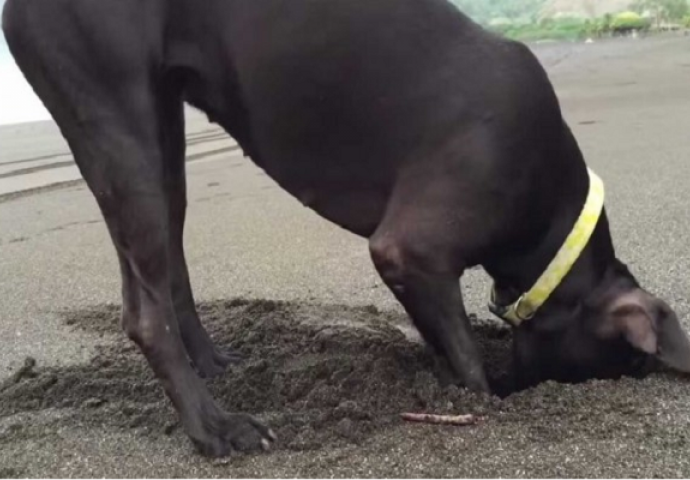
x=521, y=306
x=513, y=314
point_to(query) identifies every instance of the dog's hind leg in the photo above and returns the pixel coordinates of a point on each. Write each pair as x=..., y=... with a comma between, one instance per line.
x=207, y=359
x=102, y=85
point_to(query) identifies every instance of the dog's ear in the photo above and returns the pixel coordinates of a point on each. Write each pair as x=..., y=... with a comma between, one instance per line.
x=674, y=345
x=629, y=315
x=650, y=326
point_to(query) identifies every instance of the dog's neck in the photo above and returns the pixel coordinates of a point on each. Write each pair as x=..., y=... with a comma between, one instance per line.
x=551, y=219
x=586, y=276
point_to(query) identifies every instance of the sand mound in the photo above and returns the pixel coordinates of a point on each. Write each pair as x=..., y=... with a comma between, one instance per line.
x=319, y=375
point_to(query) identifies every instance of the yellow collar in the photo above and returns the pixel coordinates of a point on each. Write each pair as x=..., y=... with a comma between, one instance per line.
x=529, y=302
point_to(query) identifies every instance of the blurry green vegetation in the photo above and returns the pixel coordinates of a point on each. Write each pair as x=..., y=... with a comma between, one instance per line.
x=561, y=29
x=663, y=10
x=484, y=11
x=574, y=28
x=628, y=21
x=521, y=19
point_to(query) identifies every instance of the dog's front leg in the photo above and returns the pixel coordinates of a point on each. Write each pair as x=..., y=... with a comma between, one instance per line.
x=434, y=302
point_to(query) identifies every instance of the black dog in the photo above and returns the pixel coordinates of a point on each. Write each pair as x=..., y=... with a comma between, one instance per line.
x=399, y=120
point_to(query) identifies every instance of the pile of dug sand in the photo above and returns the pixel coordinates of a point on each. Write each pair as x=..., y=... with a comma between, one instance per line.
x=325, y=377
x=317, y=374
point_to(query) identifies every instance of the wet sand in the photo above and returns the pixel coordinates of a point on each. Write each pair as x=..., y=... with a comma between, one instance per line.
x=330, y=358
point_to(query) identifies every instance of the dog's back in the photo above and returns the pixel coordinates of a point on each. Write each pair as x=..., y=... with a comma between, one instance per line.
x=376, y=85
x=373, y=81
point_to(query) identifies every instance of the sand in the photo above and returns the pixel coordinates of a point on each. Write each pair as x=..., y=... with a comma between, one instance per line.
x=330, y=360
x=333, y=379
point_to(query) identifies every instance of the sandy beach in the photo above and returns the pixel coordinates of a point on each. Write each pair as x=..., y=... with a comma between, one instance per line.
x=330, y=357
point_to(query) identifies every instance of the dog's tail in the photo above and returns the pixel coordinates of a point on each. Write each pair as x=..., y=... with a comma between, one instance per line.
x=10, y=19
x=15, y=23
x=29, y=27
x=21, y=25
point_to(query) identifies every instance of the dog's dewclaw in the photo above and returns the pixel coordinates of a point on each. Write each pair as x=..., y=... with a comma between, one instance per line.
x=457, y=420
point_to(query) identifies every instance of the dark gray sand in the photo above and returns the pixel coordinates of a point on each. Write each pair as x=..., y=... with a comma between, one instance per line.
x=332, y=381
x=329, y=374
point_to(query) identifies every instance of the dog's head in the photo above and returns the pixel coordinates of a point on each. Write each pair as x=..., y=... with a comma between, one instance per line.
x=619, y=329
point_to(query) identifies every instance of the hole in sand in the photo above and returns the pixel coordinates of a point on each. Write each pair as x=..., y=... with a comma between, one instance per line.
x=317, y=374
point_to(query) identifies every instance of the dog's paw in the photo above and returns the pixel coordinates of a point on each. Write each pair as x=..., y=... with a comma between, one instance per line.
x=214, y=362
x=502, y=386
x=233, y=432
